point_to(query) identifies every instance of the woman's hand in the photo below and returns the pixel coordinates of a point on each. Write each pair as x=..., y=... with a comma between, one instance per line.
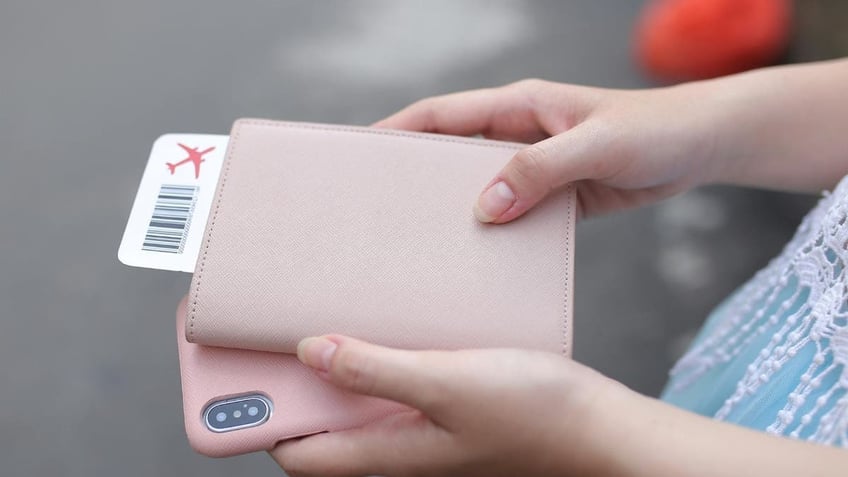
x=511, y=412
x=780, y=128
x=481, y=412
x=621, y=148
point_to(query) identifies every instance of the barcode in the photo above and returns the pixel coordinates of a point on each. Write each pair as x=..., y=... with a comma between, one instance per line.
x=171, y=219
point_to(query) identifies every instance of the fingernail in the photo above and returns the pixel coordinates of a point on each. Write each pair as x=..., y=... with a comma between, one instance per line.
x=493, y=202
x=316, y=352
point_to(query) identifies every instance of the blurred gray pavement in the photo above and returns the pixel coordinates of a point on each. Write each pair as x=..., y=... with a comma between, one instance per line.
x=89, y=380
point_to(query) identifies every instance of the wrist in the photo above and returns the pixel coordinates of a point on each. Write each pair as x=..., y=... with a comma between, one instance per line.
x=596, y=439
x=707, y=138
x=777, y=128
x=734, y=122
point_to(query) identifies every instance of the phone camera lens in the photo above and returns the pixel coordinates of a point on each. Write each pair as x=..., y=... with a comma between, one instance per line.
x=230, y=414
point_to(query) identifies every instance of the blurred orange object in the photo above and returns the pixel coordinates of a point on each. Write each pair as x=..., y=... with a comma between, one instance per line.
x=680, y=40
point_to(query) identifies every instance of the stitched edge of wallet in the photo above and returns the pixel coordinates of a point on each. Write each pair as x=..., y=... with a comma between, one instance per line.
x=234, y=141
x=566, y=305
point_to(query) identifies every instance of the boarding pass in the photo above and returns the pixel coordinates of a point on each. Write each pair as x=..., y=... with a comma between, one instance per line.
x=168, y=218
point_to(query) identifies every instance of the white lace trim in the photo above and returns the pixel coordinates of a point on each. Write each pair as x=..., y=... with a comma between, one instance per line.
x=814, y=262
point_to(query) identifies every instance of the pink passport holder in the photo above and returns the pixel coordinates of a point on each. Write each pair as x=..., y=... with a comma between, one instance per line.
x=367, y=232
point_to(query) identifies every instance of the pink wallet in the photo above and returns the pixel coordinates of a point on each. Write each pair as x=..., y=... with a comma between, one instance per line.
x=319, y=229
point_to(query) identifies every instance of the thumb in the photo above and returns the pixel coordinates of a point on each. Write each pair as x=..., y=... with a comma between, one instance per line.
x=537, y=170
x=414, y=378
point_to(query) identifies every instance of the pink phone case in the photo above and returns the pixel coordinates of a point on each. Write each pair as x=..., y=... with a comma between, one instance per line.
x=302, y=403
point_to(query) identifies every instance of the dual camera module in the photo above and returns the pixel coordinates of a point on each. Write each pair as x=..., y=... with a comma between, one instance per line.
x=237, y=413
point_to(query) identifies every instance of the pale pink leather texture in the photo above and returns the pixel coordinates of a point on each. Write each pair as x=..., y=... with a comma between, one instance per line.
x=319, y=229
x=302, y=402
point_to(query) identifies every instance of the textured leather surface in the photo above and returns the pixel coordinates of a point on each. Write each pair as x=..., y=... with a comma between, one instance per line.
x=320, y=229
x=303, y=403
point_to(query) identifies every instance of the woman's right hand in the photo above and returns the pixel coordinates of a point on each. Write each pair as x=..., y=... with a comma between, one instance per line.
x=776, y=128
x=506, y=412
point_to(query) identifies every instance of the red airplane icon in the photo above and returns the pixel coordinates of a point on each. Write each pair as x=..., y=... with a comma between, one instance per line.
x=194, y=156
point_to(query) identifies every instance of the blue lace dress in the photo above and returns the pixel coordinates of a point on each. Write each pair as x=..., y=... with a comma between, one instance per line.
x=774, y=355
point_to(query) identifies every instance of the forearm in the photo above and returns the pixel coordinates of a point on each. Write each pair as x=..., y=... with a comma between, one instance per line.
x=781, y=128
x=657, y=440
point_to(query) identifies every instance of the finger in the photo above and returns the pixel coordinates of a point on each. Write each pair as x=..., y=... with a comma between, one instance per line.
x=536, y=170
x=463, y=114
x=498, y=113
x=418, y=379
x=377, y=449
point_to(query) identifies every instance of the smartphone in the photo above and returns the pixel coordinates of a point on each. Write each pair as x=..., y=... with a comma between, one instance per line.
x=240, y=401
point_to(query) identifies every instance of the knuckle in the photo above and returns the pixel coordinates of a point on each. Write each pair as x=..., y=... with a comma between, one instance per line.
x=528, y=84
x=427, y=111
x=528, y=167
x=355, y=370
x=421, y=105
x=294, y=469
x=531, y=91
x=291, y=462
